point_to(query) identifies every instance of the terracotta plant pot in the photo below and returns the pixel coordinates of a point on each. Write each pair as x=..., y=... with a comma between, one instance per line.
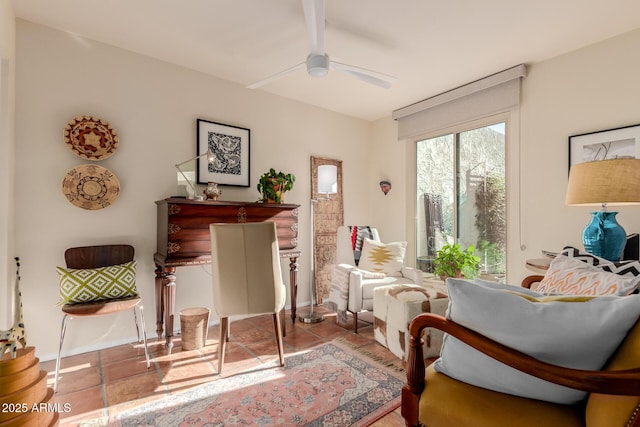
x=272, y=185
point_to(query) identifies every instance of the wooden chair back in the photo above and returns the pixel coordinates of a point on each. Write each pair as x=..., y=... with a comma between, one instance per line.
x=98, y=256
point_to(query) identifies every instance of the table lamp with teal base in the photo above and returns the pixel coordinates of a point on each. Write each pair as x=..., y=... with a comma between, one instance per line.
x=603, y=183
x=604, y=237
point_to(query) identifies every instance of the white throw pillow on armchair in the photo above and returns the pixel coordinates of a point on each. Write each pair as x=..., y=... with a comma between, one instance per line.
x=387, y=258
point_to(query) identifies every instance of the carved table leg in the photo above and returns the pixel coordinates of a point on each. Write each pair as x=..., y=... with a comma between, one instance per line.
x=159, y=302
x=169, y=296
x=166, y=285
x=293, y=283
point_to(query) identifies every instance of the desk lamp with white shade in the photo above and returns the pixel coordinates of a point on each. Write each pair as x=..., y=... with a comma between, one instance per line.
x=210, y=159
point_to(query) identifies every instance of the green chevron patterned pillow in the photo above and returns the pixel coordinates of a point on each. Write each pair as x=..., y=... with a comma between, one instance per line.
x=95, y=284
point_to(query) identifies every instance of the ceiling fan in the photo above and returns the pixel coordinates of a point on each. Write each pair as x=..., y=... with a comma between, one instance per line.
x=318, y=62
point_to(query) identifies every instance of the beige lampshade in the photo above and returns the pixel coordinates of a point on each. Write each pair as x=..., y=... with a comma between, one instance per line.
x=611, y=182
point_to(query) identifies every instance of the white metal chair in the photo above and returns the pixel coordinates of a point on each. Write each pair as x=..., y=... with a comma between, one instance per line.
x=90, y=257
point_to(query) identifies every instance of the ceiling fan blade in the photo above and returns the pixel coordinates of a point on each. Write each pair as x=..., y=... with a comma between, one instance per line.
x=373, y=77
x=315, y=17
x=277, y=76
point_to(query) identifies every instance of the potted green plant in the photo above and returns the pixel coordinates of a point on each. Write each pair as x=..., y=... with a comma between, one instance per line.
x=452, y=261
x=272, y=186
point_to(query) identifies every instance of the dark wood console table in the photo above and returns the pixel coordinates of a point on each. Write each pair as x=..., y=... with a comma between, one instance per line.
x=183, y=239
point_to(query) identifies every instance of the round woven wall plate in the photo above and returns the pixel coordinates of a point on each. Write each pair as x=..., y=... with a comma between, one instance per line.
x=90, y=138
x=91, y=187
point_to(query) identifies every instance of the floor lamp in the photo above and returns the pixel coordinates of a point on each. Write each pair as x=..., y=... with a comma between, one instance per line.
x=210, y=159
x=327, y=186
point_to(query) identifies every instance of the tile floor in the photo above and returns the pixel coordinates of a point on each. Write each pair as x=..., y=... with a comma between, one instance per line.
x=104, y=382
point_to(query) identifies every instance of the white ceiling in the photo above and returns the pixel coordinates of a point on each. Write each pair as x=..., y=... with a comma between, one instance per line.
x=430, y=46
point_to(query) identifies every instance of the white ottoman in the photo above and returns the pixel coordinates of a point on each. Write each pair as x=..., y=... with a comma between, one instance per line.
x=395, y=306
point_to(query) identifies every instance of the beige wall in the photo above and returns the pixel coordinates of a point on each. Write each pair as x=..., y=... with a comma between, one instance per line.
x=7, y=140
x=591, y=89
x=388, y=212
x=153, y=106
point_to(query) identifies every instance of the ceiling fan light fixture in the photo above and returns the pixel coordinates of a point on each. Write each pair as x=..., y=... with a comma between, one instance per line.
x=318, y=62
x=318, y=65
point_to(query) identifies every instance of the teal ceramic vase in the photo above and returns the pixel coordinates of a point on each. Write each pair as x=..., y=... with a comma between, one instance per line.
x=604, y=237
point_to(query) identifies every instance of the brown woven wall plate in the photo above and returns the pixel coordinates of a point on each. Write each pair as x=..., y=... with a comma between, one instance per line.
x=91, y=187
x=90, y=137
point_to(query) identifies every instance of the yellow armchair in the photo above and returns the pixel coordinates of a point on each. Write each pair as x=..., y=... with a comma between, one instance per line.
x=433, y=399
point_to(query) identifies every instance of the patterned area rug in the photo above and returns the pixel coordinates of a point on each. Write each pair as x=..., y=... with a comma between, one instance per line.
x=328, y=385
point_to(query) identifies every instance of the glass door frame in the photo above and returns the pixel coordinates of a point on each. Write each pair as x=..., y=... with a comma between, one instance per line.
x=512, y=178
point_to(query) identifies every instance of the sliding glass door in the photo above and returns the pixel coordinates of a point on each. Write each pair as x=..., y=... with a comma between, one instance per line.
x=461, y=196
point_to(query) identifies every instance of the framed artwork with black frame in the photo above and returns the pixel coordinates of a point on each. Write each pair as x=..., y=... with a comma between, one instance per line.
x=605, y=144
x=230, y=146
